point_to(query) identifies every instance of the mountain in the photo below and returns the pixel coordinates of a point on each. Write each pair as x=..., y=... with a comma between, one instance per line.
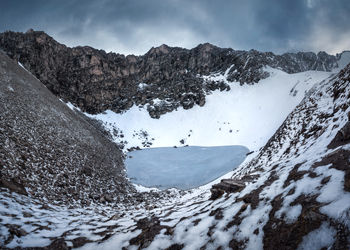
x=62, y=182
x=294, y=193
x=48, y=151
x=95, y=81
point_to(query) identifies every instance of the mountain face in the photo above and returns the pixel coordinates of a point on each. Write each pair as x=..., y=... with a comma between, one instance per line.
x=95, y=81
x=292, y=194
x=48, y=151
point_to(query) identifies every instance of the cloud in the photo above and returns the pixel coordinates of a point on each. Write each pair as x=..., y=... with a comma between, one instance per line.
x=138, y=41
x=329, y=29
x=134, y=26
x=324, y=38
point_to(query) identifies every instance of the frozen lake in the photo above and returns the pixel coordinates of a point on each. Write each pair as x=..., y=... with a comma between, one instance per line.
x=183, y=168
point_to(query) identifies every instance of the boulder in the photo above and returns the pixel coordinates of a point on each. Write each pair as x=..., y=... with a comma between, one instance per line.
x=13, y=185
x=226, y=186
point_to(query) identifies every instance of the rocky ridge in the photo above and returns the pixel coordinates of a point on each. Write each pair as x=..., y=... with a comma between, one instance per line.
x=163, y=79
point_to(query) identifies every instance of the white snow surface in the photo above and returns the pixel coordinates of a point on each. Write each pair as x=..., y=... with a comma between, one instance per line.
x=319, y=238
x=246, y=115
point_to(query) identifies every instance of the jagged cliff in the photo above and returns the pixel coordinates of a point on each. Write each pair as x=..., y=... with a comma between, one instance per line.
x=96, y=81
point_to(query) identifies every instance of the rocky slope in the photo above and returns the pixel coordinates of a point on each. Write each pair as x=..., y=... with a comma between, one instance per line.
x=48, y=151
x=95, y=81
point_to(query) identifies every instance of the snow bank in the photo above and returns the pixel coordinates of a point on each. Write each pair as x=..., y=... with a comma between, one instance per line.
x=246, y=115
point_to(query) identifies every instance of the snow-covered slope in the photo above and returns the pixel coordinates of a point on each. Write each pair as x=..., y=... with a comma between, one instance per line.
x=245, y=115
x=296, y=196
x=296, y=193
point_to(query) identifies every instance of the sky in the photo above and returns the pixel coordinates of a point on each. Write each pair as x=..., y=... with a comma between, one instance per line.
x=134, y=26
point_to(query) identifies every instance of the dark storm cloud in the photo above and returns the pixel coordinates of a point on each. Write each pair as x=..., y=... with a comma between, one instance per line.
x=136, y=25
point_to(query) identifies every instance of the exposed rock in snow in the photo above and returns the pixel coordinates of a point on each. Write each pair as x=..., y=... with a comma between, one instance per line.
x=226, y=186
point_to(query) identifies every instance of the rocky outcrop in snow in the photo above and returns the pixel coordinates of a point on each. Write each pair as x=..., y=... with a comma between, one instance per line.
x=95, y=81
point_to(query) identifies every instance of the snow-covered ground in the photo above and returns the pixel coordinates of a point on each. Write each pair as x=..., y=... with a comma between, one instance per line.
x=184, y=167
x=246, y=115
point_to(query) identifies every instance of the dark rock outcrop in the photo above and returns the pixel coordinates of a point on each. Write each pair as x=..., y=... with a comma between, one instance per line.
x=13, y=185
x=96, y=81
x=150, y=227
x=343, y=135
x=226, y=186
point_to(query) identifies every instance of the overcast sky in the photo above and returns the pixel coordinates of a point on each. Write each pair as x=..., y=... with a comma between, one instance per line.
x=134, y=26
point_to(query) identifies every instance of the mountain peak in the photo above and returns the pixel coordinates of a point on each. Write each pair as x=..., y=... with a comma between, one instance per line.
x=162, y=49
x=206, y=47
x=29, y=31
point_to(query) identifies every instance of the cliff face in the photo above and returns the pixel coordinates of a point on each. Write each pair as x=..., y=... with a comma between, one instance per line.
x=48, y=151
x=96, y=81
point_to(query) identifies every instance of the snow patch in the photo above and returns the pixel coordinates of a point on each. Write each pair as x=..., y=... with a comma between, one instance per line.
x=9, y=87
x=142, y=86
x=319, y=238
